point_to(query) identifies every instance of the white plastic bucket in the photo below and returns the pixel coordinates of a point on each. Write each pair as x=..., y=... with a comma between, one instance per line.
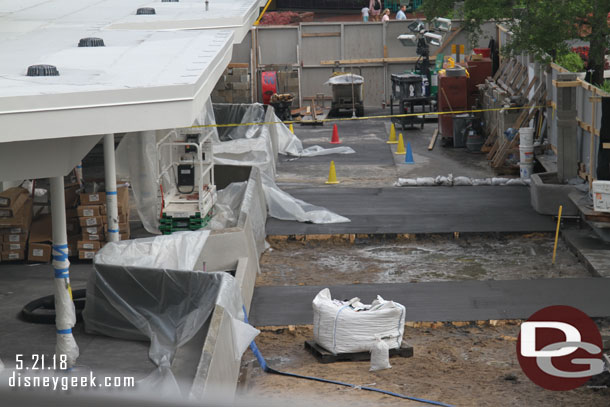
x=526, y=170
x=526, y=154
x=526, y=136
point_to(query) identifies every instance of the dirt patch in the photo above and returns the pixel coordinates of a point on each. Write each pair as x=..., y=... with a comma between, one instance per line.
x=466, y=366
x=432, y=258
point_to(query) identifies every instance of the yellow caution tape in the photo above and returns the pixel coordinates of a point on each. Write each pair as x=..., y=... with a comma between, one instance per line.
x=340, y=119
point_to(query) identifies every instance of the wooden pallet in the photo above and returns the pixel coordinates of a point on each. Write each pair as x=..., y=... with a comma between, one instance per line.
x=324, y=356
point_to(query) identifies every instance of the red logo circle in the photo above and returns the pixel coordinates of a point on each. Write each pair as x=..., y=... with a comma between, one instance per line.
x=553, y=325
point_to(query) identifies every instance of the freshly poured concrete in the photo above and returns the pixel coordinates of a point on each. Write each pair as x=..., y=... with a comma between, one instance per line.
x=419, y=210
x=594, y=252
x=442, y=301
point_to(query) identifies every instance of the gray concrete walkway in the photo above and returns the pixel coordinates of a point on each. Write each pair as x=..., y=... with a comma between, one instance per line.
x=441, y=301
x=419, y=210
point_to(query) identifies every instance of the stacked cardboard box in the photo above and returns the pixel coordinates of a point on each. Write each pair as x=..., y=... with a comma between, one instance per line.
x=93, y=221
x=233, y=87
x=40, y=242
x=15, y=220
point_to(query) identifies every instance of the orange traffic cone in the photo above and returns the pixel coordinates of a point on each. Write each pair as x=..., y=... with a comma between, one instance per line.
x=335, y=138
x=401, y=145
x=392, y=139
x=332, y=174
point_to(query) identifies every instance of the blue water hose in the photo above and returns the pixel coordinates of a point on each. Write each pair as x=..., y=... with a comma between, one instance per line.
x=266, y=368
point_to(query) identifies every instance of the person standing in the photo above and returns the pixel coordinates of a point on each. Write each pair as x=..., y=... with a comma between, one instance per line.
x=375, y=7
x=365, y=14
x=401, y=15
x=386, y=15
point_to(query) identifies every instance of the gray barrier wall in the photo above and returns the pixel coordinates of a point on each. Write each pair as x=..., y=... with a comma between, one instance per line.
x=371, y=47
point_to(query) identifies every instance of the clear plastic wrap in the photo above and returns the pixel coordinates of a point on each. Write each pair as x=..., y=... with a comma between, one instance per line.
x=259, y=152
x=350, y=326
x=253, y=145
x=150, y=289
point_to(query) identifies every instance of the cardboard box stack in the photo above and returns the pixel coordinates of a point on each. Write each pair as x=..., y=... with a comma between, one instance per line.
x=40, y=243
x=93, y=221
x=15, y=220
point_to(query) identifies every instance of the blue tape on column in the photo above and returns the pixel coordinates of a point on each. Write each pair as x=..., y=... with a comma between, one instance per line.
x=62, y=250
x=64, y=331
x=79, y=166
x=113, y=231
x=62, y=273
x=111, y=192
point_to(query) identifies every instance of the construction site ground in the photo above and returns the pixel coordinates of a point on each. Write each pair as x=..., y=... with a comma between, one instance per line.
x=462, y=366
x=465, y=363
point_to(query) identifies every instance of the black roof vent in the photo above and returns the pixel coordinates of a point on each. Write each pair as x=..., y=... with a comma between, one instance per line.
x=42, y=70
x=170, y=1
x=91, y=42
x=145, y=11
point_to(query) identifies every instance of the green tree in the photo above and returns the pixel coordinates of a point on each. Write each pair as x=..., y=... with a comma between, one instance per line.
x=539, y=27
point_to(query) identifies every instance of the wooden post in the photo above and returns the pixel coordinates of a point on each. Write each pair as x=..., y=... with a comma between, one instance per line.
x=593, y=101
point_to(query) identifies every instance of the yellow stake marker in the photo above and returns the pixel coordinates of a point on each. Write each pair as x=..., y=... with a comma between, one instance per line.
x=332, y=174
x=291, y=128
x=557, y=232
x=401, y=146
x=392, y=139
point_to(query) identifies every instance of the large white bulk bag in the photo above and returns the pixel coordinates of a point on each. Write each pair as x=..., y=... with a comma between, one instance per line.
x=350, y=326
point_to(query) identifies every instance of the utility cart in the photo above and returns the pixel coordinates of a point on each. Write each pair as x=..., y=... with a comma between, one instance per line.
x=407, y=94
x=187, y=192
x=348, y=93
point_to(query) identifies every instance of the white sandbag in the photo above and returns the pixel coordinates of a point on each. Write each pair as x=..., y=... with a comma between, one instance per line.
x=481, y=181
x=499, y=181
x=405, y=182
x=444, y=181
x=462, y=181
x=426, y=181
x=380, y=356
x=350, y=326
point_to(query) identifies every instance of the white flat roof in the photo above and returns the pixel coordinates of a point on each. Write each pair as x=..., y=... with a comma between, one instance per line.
x=168, y=62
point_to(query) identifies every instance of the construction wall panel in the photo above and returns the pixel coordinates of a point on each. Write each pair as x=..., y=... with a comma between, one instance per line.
x=278, y=46
x=363, y=41
x=374, y=84
x=395, y=47
x=313, y=79
x=315, y=49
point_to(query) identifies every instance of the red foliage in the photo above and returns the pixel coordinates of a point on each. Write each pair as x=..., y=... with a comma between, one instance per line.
x=584, y=54
x=280, y=18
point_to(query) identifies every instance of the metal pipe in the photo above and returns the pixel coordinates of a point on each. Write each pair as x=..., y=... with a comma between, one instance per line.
x=112, y=210
x=66, y=347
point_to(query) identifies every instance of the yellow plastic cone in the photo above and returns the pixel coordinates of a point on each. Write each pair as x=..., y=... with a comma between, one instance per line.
x=401, y=145
x=392, y=139
x=332, y=174
x=291, y=128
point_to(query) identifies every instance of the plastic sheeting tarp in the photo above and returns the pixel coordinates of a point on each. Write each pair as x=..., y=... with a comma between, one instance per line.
x=149, y=289
x=351, y=326
x=259, y=152
x=345, y=79
x=256, y=145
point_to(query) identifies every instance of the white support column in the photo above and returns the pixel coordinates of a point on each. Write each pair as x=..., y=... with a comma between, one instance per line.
x=79, y=174
x=112, y=209
x=65, y=318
